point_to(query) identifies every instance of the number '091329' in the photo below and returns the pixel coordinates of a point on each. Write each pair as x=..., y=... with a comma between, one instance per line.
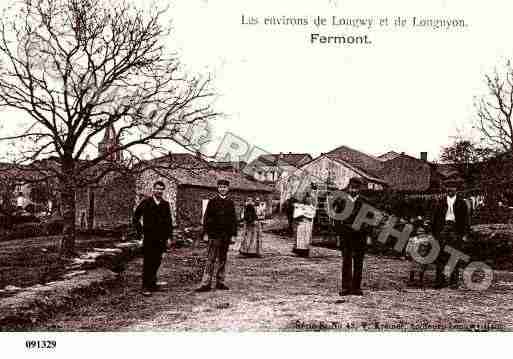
x=40, y=344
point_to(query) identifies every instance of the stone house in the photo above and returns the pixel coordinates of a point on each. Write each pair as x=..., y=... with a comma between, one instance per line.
x=106, y=205
x=407, y=174
x=392, y=171
x=191, y=182
x=332, y=169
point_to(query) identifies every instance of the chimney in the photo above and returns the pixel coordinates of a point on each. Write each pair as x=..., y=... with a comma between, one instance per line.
x=423, y=156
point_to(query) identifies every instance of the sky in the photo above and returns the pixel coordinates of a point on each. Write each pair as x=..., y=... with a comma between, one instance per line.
x=409, y=91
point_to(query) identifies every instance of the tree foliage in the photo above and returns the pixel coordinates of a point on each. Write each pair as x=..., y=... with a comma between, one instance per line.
x=465, y=152
x=464, y=155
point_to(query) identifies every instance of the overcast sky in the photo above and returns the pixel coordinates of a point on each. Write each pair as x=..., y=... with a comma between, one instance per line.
x=409, y=91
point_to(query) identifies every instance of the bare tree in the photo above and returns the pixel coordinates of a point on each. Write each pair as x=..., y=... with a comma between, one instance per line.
x=77, y=67
x=494, y=110
x=464, y=154
x=7, y=187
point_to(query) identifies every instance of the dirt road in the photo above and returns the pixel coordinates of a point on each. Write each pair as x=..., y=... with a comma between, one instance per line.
x=283, y=292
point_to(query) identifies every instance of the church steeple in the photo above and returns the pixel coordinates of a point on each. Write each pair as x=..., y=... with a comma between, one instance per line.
x=109, y=145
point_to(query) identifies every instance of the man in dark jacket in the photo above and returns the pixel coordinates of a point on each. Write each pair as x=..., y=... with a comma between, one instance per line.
x=220, y=224
x=449, y=224
x=289, y=208
x=157, y=229
x=353, y=242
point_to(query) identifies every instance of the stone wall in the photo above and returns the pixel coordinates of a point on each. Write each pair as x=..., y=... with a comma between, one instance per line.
x=112, y=201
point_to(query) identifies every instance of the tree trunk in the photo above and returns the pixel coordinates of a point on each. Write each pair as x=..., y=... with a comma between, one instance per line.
x=68, y=207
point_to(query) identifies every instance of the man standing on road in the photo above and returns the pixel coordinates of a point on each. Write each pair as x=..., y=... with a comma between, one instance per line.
x=353, y=242
x=220, y=224
x=157, y=229
x=450, y=222
x=289, y=209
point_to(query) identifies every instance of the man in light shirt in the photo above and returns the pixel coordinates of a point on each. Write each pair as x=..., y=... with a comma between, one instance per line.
x=450, y=223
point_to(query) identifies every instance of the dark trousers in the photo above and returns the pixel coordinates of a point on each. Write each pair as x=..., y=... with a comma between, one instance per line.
x=152, y=257
x=217, y=251
x=290, y=221
x=353, y=246
x=447, y=236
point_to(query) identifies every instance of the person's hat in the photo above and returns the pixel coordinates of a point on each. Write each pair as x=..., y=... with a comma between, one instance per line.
x=223, y=182
x=356, y=182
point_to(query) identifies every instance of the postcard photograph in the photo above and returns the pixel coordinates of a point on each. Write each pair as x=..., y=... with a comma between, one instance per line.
x=286, y=167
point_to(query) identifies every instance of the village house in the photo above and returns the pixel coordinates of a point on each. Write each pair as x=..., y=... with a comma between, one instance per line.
x=270, y=168
x=190, y=183
x=388, y=156
x=393, y=172
x=107, y=204
x=30, y=187
x=407, y=174
x=332, y=169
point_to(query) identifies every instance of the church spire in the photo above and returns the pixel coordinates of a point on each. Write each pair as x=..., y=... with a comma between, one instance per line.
x=110, y=144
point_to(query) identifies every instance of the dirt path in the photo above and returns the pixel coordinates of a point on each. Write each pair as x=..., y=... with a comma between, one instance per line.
x=284, y=292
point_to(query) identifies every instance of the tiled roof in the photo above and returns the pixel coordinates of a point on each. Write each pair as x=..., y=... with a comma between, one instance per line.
x=236, y=165
x=292, y=159
x=189, y=170
x=388, y=156
x=370, y=165
x=209, y=178
x=406, y=173
x=34, y=172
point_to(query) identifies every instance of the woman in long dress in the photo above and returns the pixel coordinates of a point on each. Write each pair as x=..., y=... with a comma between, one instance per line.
x=249, y=246
x=303, y=224
x=260, y=211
